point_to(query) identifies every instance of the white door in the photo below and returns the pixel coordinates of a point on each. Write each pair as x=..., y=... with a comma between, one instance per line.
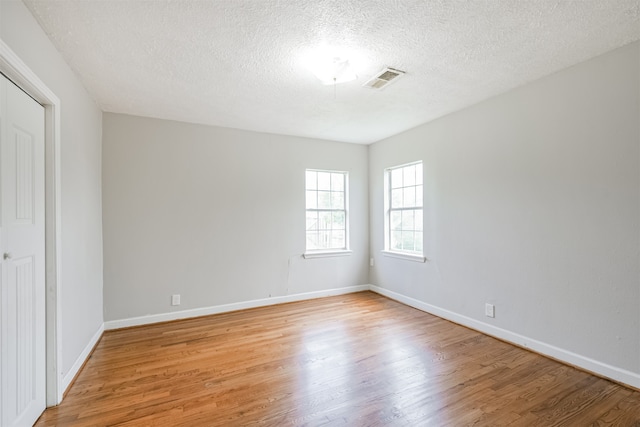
x=22, y=297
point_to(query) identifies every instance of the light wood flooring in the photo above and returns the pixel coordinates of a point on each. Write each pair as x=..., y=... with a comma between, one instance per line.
x=351, y=360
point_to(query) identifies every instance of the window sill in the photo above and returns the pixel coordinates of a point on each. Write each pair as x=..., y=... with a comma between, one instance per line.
x=324, y=254
x=408, y=257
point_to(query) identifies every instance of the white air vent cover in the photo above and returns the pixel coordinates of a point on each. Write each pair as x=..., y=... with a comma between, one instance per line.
x=384, y=78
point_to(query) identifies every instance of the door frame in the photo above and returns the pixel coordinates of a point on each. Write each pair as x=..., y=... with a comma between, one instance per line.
x=18, y=72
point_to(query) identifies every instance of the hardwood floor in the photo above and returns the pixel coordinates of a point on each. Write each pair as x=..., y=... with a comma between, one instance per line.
x=358, y=360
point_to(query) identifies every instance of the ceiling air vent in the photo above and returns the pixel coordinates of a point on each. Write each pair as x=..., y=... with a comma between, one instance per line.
x=384, y=78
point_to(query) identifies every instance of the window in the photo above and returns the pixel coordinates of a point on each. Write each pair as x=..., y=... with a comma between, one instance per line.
x=327, y=221
x=403, y=205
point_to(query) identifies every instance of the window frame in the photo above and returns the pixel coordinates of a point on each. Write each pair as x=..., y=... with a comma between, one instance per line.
x=328, y=252
x=389, y=209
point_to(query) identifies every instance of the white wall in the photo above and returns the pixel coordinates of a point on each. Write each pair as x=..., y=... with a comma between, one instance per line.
x=532, y=204
x=81, y=129
x=216, y=215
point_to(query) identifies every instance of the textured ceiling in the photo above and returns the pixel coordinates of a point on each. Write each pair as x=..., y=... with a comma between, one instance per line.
x=240, y=63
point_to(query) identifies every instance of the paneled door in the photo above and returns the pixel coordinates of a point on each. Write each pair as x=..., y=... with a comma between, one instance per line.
x=22, y=297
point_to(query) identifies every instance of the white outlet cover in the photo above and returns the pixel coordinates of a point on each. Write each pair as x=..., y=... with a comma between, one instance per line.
x=490, y=310
x=175, y=299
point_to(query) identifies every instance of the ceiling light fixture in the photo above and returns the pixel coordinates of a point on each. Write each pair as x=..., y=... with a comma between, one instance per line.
x=333, y=70
x=330, y=65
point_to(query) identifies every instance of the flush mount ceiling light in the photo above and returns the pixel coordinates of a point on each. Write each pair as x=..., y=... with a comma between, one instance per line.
x=334, y=70
x=331, y=65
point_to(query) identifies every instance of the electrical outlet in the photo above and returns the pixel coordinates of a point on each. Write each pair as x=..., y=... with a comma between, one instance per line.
x=489, y=310
x=371, y=262
x=175, y=299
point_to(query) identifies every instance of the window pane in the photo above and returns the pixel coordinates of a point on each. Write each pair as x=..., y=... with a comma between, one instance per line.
x=326, y=217
x=409, y=197
x=337, y=240
x=419, y=196
x=337, y=182
x=324, y=181
x=407, y=220
x=312, y=240
x=404, y=208
x=407, y=241
x=418, y=220
x=396, y=220
x=337, y=200
x=396, y=240
x=396, y=198
x=338, y=221
x=325, y=220
x=324, y=200
x=396, y=178
x=311, y=180
x=312, y=202
x=323, y=239
x=312, y=221
x=409, y=175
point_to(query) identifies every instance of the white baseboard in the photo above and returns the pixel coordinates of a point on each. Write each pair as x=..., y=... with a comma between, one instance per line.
x=599, y=368
x=67, y=377
x=216, y=309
